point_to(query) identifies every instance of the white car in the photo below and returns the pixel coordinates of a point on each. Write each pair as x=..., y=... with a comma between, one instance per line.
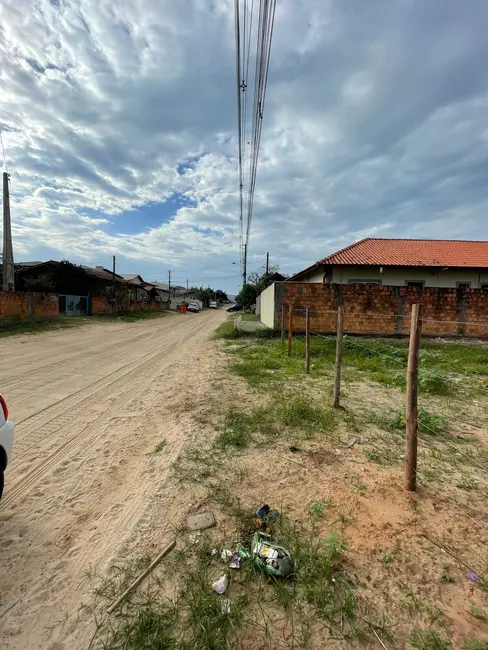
x=6, y=440
x=213, y=305
x=193, y=306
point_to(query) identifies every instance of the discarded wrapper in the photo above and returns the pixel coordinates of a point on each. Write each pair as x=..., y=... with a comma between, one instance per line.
x=225, y=606
x=221, y=585
x=235, y=562
x=264, y=518
x=226, y=554
x=270, y=557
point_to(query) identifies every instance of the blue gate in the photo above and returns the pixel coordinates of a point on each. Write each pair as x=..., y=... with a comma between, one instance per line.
x=74, y=305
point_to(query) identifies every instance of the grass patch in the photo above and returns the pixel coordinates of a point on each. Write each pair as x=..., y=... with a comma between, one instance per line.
x=477, y=644
x=301, y=412
x=148, y=620
x=37, y=327
x=259, y=425
x=131, y=316
x=428, y=639
x=317, y=508
x=237, y=430
x=159, y=447
x=227, y=330
x=428, y=422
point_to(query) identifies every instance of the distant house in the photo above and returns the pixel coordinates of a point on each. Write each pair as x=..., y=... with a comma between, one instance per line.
x=76, y=285
x=404, y=262
x=273, y=277
x=139, y=290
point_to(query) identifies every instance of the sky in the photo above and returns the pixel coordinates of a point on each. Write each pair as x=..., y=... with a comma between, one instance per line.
x=119, y=125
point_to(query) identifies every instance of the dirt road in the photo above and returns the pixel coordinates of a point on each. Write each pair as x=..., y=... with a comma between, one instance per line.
x=90, y=405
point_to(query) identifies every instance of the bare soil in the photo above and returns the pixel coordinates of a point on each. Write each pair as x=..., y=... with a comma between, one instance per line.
x=85, y=487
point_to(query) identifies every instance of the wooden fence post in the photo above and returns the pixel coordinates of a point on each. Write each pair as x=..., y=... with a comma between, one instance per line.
x=411, y=399
x=307, y=340
x=338, y=359
x=282, y=324
x=290, y=329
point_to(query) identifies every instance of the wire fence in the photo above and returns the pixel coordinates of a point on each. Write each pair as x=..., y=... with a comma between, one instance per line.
x=436, y=440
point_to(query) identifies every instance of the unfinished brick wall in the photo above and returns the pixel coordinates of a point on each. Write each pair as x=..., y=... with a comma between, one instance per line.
x=22, y=305
x=98, y=305
x=384, y=309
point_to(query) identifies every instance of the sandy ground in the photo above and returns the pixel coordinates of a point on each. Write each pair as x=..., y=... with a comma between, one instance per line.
x=84, y=488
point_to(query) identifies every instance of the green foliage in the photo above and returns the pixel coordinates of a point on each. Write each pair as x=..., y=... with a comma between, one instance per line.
x=317, y=508
x=247, y=296
x=159, y=447
x=301, y=412
x=477, y=644
x=236, y=431
x=428, y=423
x=428, y=639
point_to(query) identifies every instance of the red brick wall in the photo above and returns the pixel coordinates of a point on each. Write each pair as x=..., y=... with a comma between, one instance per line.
x=98, y=305
x=385, y=309
x=14, y=305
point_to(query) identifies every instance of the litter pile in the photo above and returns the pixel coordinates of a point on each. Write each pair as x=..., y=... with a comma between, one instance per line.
x=263, y=552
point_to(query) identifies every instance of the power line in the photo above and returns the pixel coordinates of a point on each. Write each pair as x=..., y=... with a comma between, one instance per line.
x=244, y=39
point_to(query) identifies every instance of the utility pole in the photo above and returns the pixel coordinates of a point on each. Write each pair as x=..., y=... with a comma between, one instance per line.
x=267, y=264
x=169, y=288
x=113, y=287
x=8, y=281
x=244, y=273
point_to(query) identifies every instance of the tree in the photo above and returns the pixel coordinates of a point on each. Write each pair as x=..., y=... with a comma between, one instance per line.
x=256, y=284
x=258, y=278
x=206, y=295
x=247, y=296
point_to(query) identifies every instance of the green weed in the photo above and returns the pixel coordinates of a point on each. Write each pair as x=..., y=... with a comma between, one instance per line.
x=317, y=508
x=468, y=484
x=302, y=413
x=159, y=447
x=477, y=644
x=236, y=430
x=428, y=639
x=427, y=422
x=477, y=612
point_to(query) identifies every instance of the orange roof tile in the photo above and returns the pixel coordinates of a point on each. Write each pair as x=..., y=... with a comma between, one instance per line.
x=409, y=252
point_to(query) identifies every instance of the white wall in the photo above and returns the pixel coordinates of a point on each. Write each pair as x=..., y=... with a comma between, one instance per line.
x=268, y=306
x=400, y=276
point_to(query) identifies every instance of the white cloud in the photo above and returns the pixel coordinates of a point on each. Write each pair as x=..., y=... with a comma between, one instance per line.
x=375, y=123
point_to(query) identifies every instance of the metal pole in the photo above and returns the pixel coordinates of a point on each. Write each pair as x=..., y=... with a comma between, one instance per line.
x=411, y=399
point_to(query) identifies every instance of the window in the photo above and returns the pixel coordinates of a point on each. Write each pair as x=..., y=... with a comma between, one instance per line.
x=377, y=282
x=463, y=285
x=415, y=284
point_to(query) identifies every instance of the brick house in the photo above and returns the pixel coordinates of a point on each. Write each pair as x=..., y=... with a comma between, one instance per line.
x=377, y=281
x=404, y=263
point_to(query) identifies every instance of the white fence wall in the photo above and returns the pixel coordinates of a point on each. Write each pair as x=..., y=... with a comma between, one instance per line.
x=267, y=306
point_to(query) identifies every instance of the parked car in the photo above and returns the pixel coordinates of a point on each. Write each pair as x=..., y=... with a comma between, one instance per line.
x=213, y=305
x=235, y=308
x=193, y=306
x=6, y=440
